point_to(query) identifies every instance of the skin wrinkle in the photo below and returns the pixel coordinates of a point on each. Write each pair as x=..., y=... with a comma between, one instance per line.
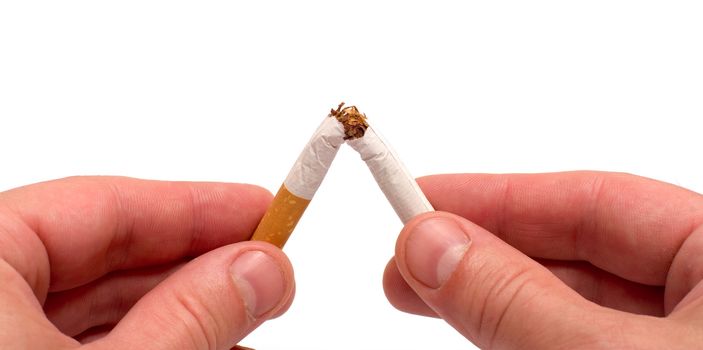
x=10, y=276
x=664, y=254
x=510, y=281
x=483, y=306
x=596, y=193
x=12, y=239
x=94, y=308
x=195, y=218
x=597, y=287
x=123, y=246
x=595, y=291
x=483, y=302
x=94, y=311
x=674, y=240
x=668, y=307
x=501, y=219
x=531, y=299
x=118, y=291
x=121, y=242
x=696, y=224
x=94, y=333
x=123, y=305
x=511, y=233
x=46, y=251
x=117, y=308
x=594, y=284
x=686, y=277
x=38, y=281
x=192, y=308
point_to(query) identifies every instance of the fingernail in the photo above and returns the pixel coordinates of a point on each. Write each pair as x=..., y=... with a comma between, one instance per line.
x=434, y=249
x=260, y=281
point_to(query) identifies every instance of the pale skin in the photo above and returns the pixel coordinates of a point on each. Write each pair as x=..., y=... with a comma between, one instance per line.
x=119, y=263
x=545, y=261
x=617, y=261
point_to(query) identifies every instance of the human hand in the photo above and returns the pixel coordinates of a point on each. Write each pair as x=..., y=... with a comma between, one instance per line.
x=158, y=261
x=618, y=261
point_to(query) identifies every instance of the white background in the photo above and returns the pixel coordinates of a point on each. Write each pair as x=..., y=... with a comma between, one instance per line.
x=231, y=91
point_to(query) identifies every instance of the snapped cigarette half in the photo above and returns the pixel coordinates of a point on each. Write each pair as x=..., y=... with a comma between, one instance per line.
x=400, y=188
x=300, y=186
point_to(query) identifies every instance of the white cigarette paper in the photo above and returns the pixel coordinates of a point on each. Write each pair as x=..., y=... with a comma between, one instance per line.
x=392, y=177
x=313, y=163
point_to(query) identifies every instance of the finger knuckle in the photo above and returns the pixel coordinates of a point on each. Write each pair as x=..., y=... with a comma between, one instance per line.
x=201, y=325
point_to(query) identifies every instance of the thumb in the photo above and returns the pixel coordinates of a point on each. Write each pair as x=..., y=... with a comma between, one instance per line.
x=490, y=292
x=211, y=303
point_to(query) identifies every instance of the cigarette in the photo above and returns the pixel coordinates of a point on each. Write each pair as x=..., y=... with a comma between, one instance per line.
x=400, y=188
x=300, y=186
x=342, y=125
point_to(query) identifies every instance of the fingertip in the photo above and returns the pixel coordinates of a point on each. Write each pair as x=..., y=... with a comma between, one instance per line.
x=410, y=227
x=258, y=198
x=431, y=183
x=265, y=279
x=285, y=306
x=432, y=247
x=244, y=204
x=260, y=281
x=261, y=193
x=423, y=180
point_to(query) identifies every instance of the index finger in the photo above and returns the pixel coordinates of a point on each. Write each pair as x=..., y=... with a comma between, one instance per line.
x=628, y=225
x=93, y=225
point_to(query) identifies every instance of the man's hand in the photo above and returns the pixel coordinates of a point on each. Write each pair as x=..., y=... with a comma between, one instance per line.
x=566, y=260
x=131, y=264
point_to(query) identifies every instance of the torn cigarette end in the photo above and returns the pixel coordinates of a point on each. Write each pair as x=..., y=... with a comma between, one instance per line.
x=280, y=220
x=300, y=186
x=394, y=179
x=354, y=122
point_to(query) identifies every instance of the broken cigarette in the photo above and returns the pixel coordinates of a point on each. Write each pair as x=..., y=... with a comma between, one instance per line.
x=400, y=188
x=300, y=186
x=343, y=124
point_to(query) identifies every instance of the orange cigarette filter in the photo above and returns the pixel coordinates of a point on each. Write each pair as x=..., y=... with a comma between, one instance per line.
x=281, y=218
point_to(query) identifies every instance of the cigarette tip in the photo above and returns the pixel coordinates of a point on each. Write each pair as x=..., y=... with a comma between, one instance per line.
x=354, y=122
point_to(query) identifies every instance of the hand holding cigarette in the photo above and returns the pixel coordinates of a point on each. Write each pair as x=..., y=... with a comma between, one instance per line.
x=104, y=263
x=620, y=261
